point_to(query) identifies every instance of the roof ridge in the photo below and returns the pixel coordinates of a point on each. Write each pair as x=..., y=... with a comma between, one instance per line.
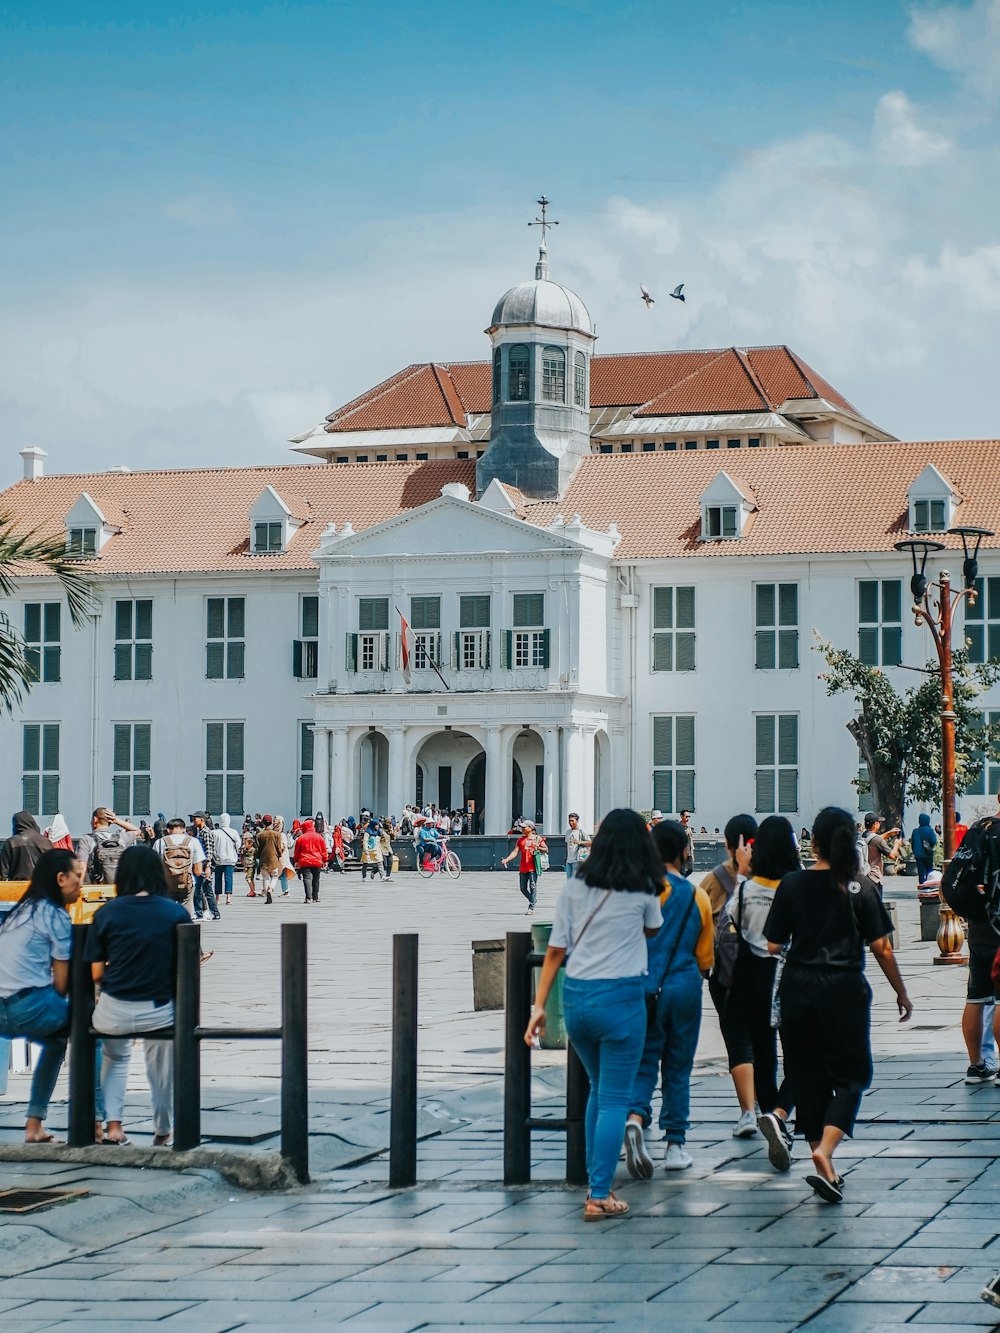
x=379, y=390
x=744, y=361
x=449, y=393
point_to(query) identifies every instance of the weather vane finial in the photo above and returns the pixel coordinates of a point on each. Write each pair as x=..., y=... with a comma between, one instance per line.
x=542, y=267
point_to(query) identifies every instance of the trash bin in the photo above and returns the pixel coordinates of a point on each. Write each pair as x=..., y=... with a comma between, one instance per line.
x=930, y=913
x=555, y=1026
x=890, y=907
x=488, y=966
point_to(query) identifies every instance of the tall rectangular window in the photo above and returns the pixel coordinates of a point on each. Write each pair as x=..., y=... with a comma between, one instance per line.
x=776, y=626
x=777, y=763
x=982, y=622
x=134, y=639
x=225, y=651
x=42, y=640
x=988, y=781
x=673, y=762
x=130, y=782
x=528, y=643
x=880, y=622
x=305, y=649
x=472, y=642
x=307, y=742
x=368, y=650
x=224, y=767
x=40, y=768
x=673, y=629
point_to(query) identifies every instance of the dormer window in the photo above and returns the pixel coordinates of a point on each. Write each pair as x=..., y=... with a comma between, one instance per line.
x=930, y=516
x=87, y=529
x=267, y=537
x=725, y=507
x=81, y=542
x=932, y=501
x=720, y=521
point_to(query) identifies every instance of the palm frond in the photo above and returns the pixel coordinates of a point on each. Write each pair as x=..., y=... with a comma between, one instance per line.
x=20, y=550
x=15, y=670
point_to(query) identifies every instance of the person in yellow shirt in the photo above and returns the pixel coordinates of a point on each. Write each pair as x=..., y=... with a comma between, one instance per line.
x=680, y=955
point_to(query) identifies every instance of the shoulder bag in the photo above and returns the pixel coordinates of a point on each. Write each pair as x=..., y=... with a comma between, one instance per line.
x=652, y=997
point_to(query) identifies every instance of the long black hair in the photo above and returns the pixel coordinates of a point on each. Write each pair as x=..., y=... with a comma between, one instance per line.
x=670, y=838
x=44, y=886
x=835, y=839
x=140, y=870
x=774, y=852
x=623, y=856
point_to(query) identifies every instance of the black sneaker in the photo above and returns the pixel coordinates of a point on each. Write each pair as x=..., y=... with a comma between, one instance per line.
x=991, y=1292
x=779, y=1140
x=979, y=1074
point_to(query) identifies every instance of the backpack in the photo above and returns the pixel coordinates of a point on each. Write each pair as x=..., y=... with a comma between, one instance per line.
x=177, y=862
x=105, y=857
x=970, y=884
x=730, y=946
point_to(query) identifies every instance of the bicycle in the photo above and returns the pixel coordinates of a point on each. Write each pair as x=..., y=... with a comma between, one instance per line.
x=447, y=863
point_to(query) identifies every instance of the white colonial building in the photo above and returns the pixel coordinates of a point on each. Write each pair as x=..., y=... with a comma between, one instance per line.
x=612, y=569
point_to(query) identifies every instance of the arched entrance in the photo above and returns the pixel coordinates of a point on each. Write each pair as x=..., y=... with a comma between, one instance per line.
x=528, y=777
x=602, y=775
x=444, y=761
x=373, y=754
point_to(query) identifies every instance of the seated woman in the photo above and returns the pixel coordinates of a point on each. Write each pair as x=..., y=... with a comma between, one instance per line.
x=132, y=951
x=35, y=939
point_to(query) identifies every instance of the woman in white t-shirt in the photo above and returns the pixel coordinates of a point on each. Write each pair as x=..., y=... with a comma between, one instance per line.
x=601, y=922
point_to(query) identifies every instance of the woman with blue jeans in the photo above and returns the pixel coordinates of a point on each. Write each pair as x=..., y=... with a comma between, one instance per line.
x=602, y=919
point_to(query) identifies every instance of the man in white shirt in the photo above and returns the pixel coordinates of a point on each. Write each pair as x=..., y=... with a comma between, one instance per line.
x=575, y=840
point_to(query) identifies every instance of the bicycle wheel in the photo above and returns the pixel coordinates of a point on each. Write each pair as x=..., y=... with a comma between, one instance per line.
x=453, y=865
x=423, y=871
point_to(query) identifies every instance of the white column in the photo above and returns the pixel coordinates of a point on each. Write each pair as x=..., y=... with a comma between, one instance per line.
x=587, y=814
x=343, y=797
x=321, y=769
x=553, y=816
x=573, y=775
x=398, y=783
x=497, y=815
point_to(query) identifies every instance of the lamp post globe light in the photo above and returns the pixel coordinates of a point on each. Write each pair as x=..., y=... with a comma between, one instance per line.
x=938, y=614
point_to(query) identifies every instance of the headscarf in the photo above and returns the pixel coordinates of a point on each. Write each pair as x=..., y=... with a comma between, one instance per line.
x=58, y=833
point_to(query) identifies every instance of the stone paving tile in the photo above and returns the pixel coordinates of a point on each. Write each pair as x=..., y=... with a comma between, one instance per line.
x=574, y=1293
x=859, y=1319
x=393, y=1319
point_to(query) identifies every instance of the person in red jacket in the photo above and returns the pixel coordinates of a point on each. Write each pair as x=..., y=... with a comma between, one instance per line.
x=309, y=855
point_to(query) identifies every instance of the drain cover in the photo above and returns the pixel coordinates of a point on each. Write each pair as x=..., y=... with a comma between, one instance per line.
x=27, y=1201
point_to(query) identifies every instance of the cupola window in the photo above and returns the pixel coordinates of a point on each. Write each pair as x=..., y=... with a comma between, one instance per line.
x=519, y=374
x=554, y=375
x=496, y=375
x=580, y=380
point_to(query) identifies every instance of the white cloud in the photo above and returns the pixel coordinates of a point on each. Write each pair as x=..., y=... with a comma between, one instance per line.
x=962, y=39
x=900, y=138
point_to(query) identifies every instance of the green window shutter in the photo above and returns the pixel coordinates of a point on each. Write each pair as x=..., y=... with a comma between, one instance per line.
x=140, y=794
x=892, y=647
x=529, y=610
x=52, y=663
x=32, y=751
x=729, y=526
x=684, y=746
x=365, y=614
x=234, y=793
x=310, y=617
x=141, y=747
x=765, y=609
x=685, y=790
x=764, y=750
x=975, y=641
x=297, y=658
x=764, y=791
x=215, y=660
x=663, y=795
x=351, y=656
x=788, y=739
x=144, y=661
x=123, y=661
x=993, y=598
x=425, y=613
x=52, y=622
x=305, y=794
x=663, y=608
x=937, y=515
x=50, y=794
x=236, y=617
x=31, y=793
x=663, y=652
x=868, y=646
x=122, y=748
x=373, y=613
x=33, y=622
x=216, y=617
x=214, y=733
x=307, y=741
x=546, y=637
x=663, y=744
x=457, y=650
x=234, y=746
x=50, y=749
x=235, y=659
x=260, y=536
x=868, y=602
x=788, y=649
x=684, y=651
x=788, y=790
x=213, y=793
x=892, y=601
x=788, y=604
x=123, y=620
x=474, y=612
x=764, y=650
x=33, y=660
x=685, y=608
x=994, y=642
x=920, y=523
x=144, y=618
x=121, y=793
x=976, y=610
x=507, y=656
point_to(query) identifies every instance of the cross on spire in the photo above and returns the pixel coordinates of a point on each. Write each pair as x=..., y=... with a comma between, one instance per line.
x=542, y=267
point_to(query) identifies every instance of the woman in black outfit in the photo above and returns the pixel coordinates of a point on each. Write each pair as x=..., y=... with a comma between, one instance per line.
x=828, y=914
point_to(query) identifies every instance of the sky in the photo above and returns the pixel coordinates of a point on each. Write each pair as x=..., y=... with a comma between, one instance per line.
x=218, y=222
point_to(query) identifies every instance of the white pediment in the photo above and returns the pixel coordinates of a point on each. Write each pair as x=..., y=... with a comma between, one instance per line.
x=933, y=484
x=85, y=514
x=724, y=490
x=269, y=505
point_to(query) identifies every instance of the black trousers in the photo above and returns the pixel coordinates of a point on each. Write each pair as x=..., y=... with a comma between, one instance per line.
x=826, y=1037
x=310, y=881
x=745, y=1018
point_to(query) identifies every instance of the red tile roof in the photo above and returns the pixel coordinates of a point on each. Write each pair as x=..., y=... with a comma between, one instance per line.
x=729, y=379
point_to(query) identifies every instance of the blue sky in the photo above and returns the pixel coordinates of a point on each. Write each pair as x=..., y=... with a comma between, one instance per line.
x=221, y=221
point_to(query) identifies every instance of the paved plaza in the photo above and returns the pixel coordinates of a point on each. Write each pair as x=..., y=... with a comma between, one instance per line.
x=727, y=1242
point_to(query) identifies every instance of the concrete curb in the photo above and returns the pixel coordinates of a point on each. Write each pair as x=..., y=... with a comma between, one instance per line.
x=257, y=1171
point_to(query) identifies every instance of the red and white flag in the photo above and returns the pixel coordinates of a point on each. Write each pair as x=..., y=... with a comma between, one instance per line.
x=406, y=639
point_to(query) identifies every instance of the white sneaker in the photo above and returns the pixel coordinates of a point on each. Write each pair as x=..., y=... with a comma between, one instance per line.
x=746, y=1126
x=677, y=1158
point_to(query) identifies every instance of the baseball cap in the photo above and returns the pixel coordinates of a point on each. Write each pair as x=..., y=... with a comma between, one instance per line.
x=871, y=818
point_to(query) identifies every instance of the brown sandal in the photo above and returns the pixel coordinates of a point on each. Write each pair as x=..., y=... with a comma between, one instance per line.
x=596, y=1210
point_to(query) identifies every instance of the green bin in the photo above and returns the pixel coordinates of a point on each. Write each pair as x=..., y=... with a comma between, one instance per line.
x=555, y=1025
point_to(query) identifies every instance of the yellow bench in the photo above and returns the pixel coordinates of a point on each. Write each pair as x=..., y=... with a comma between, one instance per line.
x=82, y=911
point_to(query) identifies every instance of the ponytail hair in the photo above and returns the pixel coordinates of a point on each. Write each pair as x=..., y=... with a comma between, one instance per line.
x=835, y=838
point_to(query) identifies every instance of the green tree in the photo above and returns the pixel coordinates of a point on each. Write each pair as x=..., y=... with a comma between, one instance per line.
x=23, y=553
x=899, y=735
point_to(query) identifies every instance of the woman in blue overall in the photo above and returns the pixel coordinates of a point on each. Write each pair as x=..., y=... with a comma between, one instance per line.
x=679, y=957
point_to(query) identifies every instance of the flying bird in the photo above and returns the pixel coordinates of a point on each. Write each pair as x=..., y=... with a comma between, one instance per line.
x=678, y=292
x=645, y=296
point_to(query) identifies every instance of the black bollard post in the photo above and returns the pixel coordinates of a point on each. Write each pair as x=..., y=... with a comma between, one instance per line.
x=517, y=1063
x=294, y=1050
x=82, y=1076
x=577, y=1092
x=187, y=1054
x=403, y=1103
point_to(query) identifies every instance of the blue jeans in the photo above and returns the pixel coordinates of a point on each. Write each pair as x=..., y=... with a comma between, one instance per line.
x=41, y=1015
x=606, y=1022
x=204, y=894
x=222, y=874
x=671, y=1041
x=924, y=868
